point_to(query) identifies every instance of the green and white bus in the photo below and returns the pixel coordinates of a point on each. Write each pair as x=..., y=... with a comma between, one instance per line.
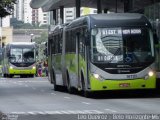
x=19, y=58
x=103, y=52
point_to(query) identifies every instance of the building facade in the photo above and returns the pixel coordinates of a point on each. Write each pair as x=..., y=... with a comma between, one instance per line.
x=70, y=14
x=27, y=12
x=6, y=36
x=153, y=13
x=43, y=17
x=23, y=12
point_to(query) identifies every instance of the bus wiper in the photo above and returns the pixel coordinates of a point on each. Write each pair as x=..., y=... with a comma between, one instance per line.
x=104, y=37
x=113, y=56
x=135, y=57
x=107, y=36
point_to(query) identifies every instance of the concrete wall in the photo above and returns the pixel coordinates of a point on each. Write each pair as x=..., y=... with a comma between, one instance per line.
x=24, y=35
x=7, y=35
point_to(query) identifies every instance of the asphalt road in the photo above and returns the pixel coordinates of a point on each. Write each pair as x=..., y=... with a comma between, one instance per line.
x=35, y=99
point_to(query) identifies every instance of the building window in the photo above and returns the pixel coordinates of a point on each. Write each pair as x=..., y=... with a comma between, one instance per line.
x=94, y=11
x=68, y=11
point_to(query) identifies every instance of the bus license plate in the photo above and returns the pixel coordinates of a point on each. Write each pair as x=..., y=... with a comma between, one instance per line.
x=124, y=85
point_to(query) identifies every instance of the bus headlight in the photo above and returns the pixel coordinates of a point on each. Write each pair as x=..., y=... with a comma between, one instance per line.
x=151, y=73
x=11, y=67
x=33, y=67
x=96, y=76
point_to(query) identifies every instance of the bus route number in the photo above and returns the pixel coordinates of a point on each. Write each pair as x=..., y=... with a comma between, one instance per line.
x=131, y=76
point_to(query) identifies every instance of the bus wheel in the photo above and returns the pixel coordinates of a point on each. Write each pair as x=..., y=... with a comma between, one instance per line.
x=69, y=87
x=53, y=79
x=22, y=76
x=85, y=93
x=31, y=76
x=10, y=76
x=4, y=75
x=55, y=87
x=158, y=85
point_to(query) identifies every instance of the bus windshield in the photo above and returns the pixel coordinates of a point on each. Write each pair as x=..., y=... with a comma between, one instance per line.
x=122, y=45
x=22, y=55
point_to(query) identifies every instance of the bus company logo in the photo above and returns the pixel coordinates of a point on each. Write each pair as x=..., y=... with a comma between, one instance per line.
x=22, y=64
x=123, y=66
x=123, y=71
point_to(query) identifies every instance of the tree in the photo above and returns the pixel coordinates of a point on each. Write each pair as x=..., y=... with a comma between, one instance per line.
x=17, y=24
x=6, y=7
x=42, y=38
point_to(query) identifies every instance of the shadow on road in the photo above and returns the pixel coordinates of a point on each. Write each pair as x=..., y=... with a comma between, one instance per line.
x=129, y=94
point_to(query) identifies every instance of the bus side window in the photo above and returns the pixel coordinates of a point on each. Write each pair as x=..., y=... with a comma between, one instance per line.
x=81, y=42
x=155, y=37
x=8, y=53
x=86, y=36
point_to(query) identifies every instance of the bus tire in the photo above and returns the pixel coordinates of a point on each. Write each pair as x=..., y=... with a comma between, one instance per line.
x=31, y=76
x=69, y=87
x=10, y=76
x=53, y=80
x=4, y=75
x=55, y=87
x=85, y=93
x=158, y=85
x=21, y=76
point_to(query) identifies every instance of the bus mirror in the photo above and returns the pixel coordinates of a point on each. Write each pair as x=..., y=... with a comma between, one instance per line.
x=36, y=53
x=155, y=38
x=87, y=42
x=8, y=54
x=87, y=39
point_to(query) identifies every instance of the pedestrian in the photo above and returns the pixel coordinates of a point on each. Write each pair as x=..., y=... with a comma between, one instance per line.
x=46, y=67
x=40, y=69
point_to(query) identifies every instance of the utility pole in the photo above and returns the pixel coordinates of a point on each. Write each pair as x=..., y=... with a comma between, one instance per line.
x=32, y=37
x=1, y=31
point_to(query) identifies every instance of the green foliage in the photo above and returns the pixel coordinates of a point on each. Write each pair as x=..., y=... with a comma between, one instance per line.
x=6, y=7
x=21, y=25
x=42, y=38
x=15, y=23
x=44, y=26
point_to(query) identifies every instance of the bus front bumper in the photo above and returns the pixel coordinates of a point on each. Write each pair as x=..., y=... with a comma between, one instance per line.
x=98, y=85
x=19, y=72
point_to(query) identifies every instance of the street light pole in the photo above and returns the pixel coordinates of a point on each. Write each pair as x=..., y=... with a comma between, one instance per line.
x=32, y=36
x=1, y=31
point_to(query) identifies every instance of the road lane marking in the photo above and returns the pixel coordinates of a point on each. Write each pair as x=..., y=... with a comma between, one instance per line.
x=110, y=110
x=32, y=81
x=71, y=111
x=65, y=112
x=53, y=94
x=32, y=113
x=41, y=113
x=52, y=112
x=59, y=112
x=96, y=111
x=86, y=103
x=17, y=113
x=67, y=97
